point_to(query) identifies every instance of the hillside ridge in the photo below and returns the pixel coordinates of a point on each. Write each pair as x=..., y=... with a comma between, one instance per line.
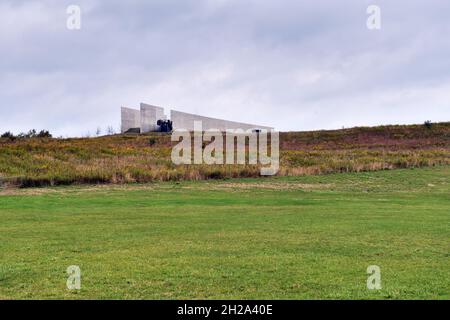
x=144, y=158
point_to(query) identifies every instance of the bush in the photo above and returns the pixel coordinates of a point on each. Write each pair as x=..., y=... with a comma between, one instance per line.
x=8, y=135
x=428, y=124
x=152, y=141
x=31, y=134
x=44, y=134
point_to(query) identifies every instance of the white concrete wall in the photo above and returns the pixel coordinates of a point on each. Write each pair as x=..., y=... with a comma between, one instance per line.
x=149, y=116
x=183, y=120
x=131, y=118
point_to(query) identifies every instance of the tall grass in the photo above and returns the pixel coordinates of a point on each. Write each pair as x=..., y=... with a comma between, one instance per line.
x=146, y=158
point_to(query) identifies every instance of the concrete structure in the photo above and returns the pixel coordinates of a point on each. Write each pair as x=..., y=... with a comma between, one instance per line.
x=149, y=116
x=145, y=120
x=131, y=119
x=183, y=120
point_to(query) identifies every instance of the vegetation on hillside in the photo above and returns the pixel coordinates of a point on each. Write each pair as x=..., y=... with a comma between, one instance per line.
x=30, y=134
x=40, y=160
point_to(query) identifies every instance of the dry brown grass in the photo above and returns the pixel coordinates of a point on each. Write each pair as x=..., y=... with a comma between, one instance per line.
x=125, y=159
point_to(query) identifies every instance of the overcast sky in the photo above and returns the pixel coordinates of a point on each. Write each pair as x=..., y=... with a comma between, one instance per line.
x=294, y=65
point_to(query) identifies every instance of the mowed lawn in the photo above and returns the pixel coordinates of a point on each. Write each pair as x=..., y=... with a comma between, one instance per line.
x=270, y=238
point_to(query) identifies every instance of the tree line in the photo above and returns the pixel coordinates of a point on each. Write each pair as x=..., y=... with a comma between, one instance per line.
x=30, y=134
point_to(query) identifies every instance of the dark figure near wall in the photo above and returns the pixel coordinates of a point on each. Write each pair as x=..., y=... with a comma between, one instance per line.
x=165, y=125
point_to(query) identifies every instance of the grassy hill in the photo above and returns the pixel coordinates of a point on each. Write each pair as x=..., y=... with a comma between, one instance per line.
x=145, y=158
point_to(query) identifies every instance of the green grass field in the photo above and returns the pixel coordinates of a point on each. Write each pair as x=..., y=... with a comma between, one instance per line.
x=309, y=237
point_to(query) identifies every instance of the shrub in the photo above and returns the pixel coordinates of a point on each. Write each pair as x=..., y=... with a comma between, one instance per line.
x=151, y=141
x=44, y=134
x=8, y=135
x=31, y=134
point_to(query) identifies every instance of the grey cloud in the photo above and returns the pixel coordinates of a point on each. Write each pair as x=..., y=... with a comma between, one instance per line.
x=291, y=64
